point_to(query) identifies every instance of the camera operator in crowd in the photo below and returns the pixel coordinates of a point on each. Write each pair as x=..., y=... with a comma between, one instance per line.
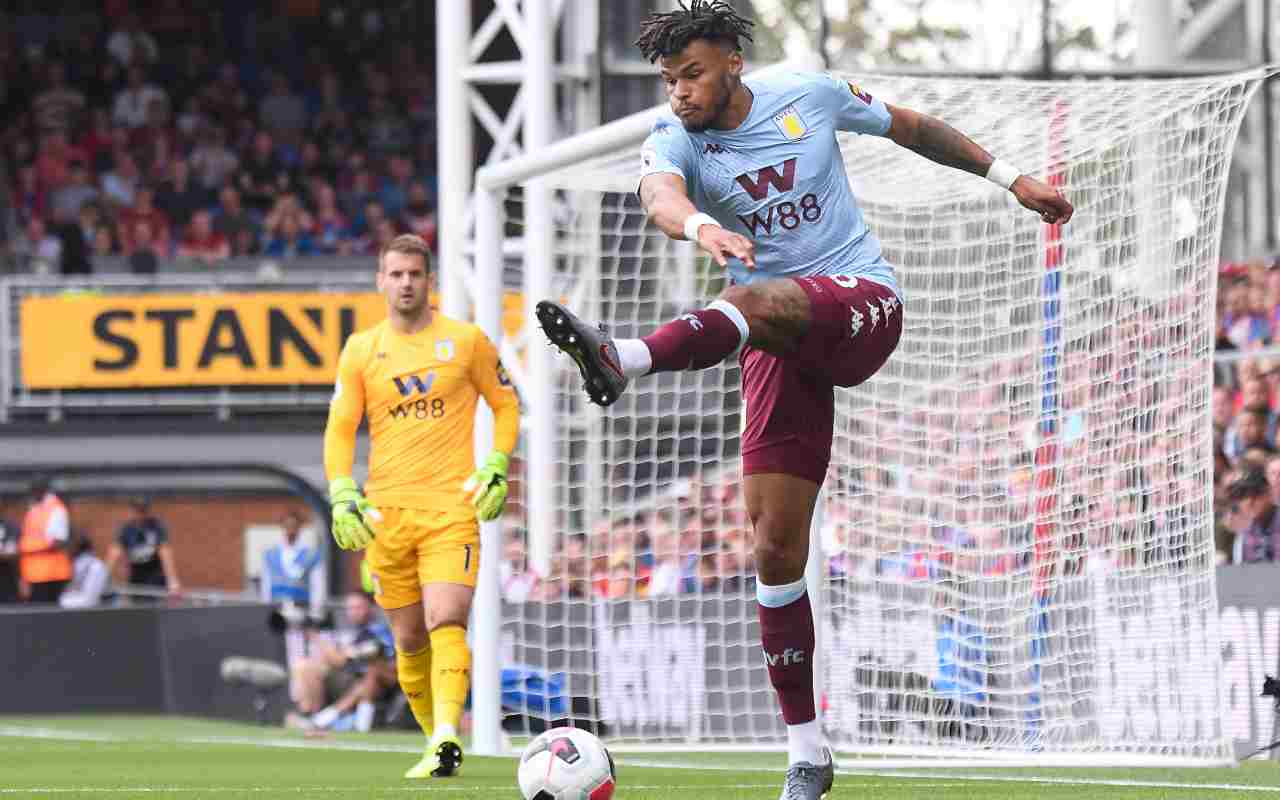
x=350, y=671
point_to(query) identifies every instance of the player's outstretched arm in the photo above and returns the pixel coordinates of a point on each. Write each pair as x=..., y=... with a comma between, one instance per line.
x=487, y=486
x=665, y=198
x=354, y=517
x=943, y=144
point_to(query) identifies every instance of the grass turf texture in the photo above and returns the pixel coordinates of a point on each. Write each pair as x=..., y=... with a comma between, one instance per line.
x=186, y=759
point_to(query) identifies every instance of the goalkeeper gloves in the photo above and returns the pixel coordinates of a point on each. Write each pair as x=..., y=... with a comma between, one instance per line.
x=487, y=488
x=355, y=520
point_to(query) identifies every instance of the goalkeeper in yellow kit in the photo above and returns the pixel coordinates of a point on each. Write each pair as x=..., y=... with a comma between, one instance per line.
x=417, y=377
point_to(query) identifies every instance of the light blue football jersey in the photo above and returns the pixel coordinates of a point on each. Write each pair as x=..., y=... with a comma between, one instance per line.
x=779, y=179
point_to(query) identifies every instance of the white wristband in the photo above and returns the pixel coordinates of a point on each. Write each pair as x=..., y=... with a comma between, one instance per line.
x=1003, y=174
x=695, y=221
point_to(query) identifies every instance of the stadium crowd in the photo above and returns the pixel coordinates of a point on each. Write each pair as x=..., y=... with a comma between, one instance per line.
x=958, y=493
x=180, y=134
x=296, y=130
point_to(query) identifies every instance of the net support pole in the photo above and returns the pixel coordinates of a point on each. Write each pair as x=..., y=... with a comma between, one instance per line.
x=539, y=242
x=486, y=670
x=453, y=38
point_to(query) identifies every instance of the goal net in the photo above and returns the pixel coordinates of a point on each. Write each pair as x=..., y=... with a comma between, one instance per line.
x=1014, y=554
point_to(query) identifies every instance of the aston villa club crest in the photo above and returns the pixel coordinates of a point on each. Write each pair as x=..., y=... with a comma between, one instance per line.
x=790, y=123
x=445, y=350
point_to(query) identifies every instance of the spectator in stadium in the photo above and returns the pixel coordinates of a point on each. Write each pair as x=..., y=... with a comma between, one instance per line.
x=59, y=106
x=330, y=229
x=180, y=196
x=120, y=183
x=1252, y=515
x=349, y=674
x=156, y=141
x=518, y=579
x=89, y=579
x=143, y=543
x=8, y=562
x=202, y=242
x=144, y=251
x=282, y=112
x=131, y=103
x=1250, y=432
x=212, y=160
x=290, y=239
x=131, y=44
x=36, y=248
x=43, y=564
x=104, y=241
x=67, y=200
x=98, y=139
x=262, y=174
x=144, y=210
x=418, y=214
x=233, y=220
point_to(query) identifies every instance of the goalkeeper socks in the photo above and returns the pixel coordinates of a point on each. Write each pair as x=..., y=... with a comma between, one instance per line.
x=787, y=636
x=325, y=717
x=450, y=673
x=697, y=340
x=414, y=673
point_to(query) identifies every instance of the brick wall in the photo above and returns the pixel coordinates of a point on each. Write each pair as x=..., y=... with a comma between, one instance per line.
x=207, y=532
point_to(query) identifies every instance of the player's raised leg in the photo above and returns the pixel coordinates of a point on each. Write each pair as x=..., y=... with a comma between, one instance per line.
x=771, y=316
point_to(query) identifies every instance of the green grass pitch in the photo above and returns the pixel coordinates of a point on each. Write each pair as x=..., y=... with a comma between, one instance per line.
x=102, y=758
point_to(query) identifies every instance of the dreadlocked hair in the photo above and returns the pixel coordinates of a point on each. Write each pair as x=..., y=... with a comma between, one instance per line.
x=665, y=34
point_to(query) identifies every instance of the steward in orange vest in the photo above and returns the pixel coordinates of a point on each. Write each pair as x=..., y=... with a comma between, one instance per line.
x=43, y=563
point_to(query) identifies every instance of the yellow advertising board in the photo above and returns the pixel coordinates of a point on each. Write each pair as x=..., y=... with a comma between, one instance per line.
x=88, y=341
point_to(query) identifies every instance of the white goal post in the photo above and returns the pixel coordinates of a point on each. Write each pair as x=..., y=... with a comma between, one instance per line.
x=1014, y=561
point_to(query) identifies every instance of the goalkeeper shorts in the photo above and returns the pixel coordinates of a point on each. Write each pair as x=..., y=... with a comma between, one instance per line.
x=855, y=325
x=416, y=547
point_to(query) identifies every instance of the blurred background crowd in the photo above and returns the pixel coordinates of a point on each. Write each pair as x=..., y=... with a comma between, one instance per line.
x=200, y=134
x=205, y=134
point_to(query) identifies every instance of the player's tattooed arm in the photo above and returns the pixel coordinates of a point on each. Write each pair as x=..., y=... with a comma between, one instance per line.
x=937, y=141
x=943, y=144
x=666, y=200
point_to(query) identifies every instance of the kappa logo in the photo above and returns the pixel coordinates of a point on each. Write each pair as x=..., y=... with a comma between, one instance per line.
x=714, y=148
x=875, y=314
x=856, y=320
x=888, y=304
x=693, y=321
x=786, y=658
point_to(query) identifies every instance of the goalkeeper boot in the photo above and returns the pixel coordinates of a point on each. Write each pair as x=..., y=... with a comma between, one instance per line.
x=807, y=781
x=592, y=348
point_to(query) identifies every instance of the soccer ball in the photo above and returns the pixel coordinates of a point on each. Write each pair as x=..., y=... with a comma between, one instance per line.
x=566, y=764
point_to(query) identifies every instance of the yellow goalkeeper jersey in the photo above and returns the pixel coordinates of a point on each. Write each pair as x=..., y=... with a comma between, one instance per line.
x=419, y=392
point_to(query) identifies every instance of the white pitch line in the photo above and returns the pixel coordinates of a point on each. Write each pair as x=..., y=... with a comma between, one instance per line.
x=926, y=776
x=314, y=744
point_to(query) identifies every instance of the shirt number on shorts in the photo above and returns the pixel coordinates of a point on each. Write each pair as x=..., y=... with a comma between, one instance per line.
x=466, y=559
x=845, y=281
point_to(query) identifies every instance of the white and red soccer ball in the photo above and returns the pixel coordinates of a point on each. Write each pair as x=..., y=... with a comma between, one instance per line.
x=566, y=764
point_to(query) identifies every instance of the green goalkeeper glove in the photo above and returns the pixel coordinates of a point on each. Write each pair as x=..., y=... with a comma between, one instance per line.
x=487, y=488
x=355, y=519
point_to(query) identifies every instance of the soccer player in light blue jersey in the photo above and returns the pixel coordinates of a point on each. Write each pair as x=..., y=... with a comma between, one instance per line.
x=752, y=172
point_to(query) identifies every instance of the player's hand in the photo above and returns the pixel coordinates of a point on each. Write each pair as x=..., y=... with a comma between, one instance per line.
x=355, y=519
x=487, y=488
x=723, y=245
x=1050, y=203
